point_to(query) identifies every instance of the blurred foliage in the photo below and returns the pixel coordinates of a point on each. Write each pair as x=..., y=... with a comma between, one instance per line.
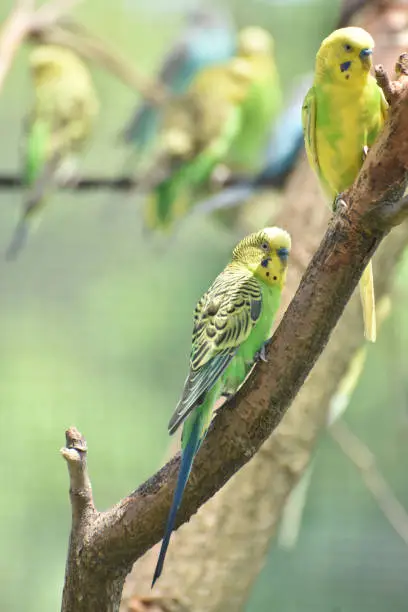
x=95, y=331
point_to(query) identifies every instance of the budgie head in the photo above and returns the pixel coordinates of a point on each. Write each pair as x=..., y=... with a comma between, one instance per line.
x=208, y=17
x=50, y=61
x=236, y=78
x=254, y=41
x=345, y=57
x=266, y=254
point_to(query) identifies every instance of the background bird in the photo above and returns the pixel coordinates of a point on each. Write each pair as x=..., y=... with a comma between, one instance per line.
x=57, y=129
x=343, y=113
x=262, y=103
x=232, y=323
x=226, y=108
x=208, y=39
x=285, y=141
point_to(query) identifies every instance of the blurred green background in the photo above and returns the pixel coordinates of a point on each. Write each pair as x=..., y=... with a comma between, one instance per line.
x=95, y=331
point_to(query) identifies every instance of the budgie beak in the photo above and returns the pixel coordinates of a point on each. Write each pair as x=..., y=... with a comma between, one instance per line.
x=366, y=57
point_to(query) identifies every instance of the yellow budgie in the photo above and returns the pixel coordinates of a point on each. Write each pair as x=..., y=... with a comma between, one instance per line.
x=197, y=131
x=223, y=118
x=261, y=104
x=58, y=127
x=342, y=115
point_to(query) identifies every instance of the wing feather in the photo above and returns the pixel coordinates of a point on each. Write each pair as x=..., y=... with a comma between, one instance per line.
x=309, y=129
x=223, y=320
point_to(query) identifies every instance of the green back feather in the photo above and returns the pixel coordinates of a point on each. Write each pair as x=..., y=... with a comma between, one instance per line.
x=36, y=151
x=172, y=198
x=258, y=109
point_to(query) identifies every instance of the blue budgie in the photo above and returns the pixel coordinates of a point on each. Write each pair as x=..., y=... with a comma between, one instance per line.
x=208, y=39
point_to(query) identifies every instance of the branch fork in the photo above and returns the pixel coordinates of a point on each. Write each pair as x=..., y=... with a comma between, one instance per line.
x=104, y=546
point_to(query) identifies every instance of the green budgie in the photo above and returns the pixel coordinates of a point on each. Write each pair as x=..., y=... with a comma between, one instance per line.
x=232, y=323
x=223, y=118
x=343, y=114
x=58, y=127
x=261, y=104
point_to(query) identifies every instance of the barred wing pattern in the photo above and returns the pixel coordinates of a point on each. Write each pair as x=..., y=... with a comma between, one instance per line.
x=223, y=320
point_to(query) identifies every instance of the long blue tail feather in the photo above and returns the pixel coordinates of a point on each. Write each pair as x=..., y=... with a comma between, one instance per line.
x=187, y=457
x=18, y=240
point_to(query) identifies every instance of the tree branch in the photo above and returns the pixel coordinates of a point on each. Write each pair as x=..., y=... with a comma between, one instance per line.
x=364, y=460
x=12, y=35
x=80, y=490
x=116, y=538
x=119, y=183
x=48, y=24
x=78, y=39
x=103, y=594
x=221, y=551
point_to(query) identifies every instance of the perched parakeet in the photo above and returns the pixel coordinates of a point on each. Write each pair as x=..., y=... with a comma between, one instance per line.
x=60, y=122
x=232, y=324
x=285, y=141
x=261, y=105
x=197, y=131
x=208, y=39
x=342, y=115
x=223, y=117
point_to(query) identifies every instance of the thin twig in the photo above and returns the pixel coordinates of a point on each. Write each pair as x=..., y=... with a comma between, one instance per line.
x=364, y=460
x=98, y=51
x=80, y=489
x=119, y=183
x=13, y=33
x=21, y=21
x=51, y=12
x=46, y=24
x=392, y=88
x=384, y=81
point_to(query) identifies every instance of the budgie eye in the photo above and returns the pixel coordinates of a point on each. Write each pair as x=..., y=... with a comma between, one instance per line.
x=348, y=47
x=265, y=246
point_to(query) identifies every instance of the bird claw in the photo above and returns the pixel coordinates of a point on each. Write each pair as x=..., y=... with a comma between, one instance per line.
x=68, y=173
x=365, y=152
x=261, y=354
x=227, y=395
x=220, y=176
x=339, y=203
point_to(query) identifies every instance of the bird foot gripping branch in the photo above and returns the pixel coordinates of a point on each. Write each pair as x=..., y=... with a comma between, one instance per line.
x=261, y=354
x=339, y=203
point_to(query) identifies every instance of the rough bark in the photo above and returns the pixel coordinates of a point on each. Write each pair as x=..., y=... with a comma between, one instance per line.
x=214, y=560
